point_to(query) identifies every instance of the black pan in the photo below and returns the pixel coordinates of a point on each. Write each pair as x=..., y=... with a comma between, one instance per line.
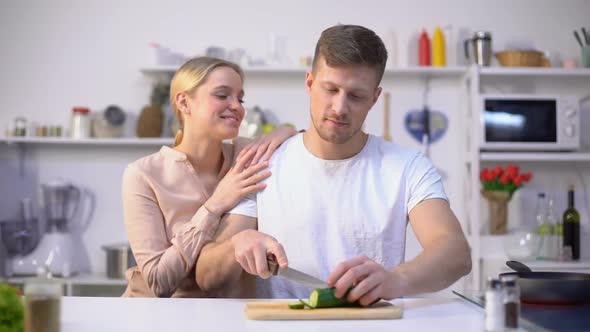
x=552, y=288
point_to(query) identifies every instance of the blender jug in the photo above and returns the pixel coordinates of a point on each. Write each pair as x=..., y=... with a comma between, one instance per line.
x=62, y=201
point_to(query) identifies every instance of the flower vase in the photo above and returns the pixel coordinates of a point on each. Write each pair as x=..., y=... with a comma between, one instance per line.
x=498, y=210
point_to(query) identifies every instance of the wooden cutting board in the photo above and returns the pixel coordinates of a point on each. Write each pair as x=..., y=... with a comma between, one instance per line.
x=281, y=311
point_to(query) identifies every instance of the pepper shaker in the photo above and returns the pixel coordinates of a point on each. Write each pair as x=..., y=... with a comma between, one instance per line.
x=494, y=306
x=511, y=302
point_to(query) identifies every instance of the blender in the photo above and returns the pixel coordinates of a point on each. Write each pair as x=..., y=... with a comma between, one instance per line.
x=61, y=200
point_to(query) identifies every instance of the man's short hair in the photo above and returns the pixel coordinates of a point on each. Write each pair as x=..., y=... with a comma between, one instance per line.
x=343, y=45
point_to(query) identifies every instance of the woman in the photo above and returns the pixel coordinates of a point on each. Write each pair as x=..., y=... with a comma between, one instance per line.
x=173, y=199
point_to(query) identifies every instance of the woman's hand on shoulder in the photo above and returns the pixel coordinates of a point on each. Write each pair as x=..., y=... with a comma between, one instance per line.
x=239, y=182
x=265, y=145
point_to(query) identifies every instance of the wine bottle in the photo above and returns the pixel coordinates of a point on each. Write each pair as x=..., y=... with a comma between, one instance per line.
x=571, y=226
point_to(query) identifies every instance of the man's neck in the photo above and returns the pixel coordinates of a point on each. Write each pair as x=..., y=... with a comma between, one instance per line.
x=332, y=151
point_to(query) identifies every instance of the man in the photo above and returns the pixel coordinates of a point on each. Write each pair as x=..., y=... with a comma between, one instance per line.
x=338, y=201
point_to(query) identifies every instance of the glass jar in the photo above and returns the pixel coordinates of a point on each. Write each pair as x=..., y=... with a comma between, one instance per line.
x=80, y=125
x=511, y=302
x=42, y=304
x=20, y=126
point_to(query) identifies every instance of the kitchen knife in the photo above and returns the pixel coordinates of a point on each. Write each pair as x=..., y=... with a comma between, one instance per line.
x=294, y=275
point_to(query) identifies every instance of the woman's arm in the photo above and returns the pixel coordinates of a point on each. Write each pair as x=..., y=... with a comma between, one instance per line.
x=163, y=263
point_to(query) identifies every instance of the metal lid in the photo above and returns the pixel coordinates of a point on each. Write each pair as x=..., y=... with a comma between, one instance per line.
x=509, y=280
x=482, y=35
x=494, y=283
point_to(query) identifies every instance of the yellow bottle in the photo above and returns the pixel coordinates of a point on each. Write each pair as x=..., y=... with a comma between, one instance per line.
x=438, y=48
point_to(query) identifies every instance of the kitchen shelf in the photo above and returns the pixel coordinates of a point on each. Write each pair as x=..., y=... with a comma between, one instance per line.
x=129, y=141
x=82, y=279
x=534, y=71
x=413, y=71
x=535, y=156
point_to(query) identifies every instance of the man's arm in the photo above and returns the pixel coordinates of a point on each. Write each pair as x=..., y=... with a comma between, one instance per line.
x=216, y=265
x=237, y=247
x=446, y=257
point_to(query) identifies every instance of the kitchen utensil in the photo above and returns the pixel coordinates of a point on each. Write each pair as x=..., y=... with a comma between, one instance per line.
x=294, y=275
x=481, y=43
x=109, y=123
x=386, y=108
x=62, y=201
x=119, y=259
x=252, y=123
x=280, y=311
x=553, y=288
x=426, y=128
x=586, y=36
x=57, y=249
x=578, y=38
x=19, y=237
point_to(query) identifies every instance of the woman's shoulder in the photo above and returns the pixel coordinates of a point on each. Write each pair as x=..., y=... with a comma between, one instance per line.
x=156, y=162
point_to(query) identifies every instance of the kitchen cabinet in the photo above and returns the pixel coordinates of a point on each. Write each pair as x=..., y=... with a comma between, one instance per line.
x=487, y=250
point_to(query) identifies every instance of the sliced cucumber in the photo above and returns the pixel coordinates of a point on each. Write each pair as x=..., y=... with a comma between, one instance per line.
x=296, y=305
x=305, y=304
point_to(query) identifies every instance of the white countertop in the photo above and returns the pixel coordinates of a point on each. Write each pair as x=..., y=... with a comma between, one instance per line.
x=153, y=314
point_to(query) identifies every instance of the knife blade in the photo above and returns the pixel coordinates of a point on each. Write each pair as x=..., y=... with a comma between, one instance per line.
x=294, y=275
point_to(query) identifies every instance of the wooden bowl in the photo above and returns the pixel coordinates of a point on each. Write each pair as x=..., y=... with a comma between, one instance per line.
x=519, y=58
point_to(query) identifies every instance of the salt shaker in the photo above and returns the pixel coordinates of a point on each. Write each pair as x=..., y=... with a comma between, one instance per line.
x=42, y=303
x=494, y=306
x=511, y=302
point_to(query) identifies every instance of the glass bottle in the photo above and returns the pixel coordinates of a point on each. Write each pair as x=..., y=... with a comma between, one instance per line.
x=542, y=226
x=571, y=226
x=548, y=232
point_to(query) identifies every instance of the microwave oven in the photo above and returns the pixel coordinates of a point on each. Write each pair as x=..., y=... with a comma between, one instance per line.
x=511, y=122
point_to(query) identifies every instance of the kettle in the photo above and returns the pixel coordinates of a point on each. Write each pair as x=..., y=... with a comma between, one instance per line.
x=481, y=43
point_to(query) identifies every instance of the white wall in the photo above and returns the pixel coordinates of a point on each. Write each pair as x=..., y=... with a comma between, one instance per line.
x=58, y=54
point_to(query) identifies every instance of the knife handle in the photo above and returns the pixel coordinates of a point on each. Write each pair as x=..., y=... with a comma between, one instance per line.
x=273, y=265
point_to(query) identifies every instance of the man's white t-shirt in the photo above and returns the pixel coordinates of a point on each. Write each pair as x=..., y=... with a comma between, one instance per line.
x=324, y=212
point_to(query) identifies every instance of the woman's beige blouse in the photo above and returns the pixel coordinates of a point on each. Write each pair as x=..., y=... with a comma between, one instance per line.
x=167, y=224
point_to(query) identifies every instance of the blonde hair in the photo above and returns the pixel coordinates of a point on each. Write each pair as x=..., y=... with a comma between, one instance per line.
x=189, y=77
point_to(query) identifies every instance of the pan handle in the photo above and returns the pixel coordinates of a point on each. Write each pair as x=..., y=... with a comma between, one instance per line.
x=518, y=266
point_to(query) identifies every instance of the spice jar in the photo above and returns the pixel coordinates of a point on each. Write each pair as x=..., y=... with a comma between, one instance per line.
x=42, y=304
x=511, y=302
x=80, y=125
x=20, y=126
x=494, y=306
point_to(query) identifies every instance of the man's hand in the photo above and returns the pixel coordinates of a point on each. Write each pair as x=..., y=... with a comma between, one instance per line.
x=370, y=280
x=251, y=249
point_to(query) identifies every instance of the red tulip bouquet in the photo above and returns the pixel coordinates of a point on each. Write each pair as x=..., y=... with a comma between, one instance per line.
x=509, y=179
x=498, y=187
